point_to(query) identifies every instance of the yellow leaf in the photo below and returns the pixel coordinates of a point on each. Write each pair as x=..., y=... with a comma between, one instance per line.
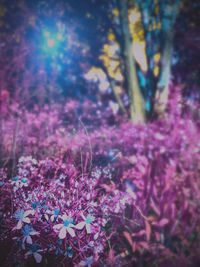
x=156, y=71
x=3, y=11
x=157, y=9
x=157, y=57
x=134, y=16
x=159, y=25
x=124, y=254
x=115, y=12
x=118, y=89
x=111, y=37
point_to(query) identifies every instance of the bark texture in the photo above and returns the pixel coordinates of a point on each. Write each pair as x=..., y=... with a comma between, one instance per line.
x=137, y=107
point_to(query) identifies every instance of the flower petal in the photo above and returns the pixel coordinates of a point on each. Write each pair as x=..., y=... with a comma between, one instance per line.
x=96, y=236
x=28, y=253
x=26, y=220
x=62, y=233
x=57, y=226
x=28, y=212
x=48, y=211
x=71, y=231
x=64, y=217
x=23, y=245
x=82, y=263
x=34, y=233
x=88, y=228
x=19, y=225
x=38, y=257
x=29, y=240
x=52, y=218
x=46, y=217
x=80, y=225
x=83, y=216
x=72, y=225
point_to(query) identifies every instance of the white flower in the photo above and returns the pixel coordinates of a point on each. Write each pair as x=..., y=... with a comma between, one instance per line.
x=159, y=136
x=65, y=227
x=86, y=223
x=24, y=182
x=53, y=214
x=21, y=215
x=88, y=261
x=19, y=182
x=16, y=181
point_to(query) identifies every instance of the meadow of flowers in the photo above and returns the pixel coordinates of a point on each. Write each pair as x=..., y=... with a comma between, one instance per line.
x=81, y=186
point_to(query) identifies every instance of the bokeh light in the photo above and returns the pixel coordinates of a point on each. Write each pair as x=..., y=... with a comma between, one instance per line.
x=52, y=41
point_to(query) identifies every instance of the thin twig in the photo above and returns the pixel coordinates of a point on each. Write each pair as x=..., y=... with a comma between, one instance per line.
x=139, y=210
x=90, y=145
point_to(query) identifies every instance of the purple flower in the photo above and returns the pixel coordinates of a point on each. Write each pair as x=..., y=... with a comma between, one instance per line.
x=34, y=249
x=28, y=231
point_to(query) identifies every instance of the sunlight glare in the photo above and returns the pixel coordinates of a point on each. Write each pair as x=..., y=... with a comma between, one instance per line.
x=50, y=43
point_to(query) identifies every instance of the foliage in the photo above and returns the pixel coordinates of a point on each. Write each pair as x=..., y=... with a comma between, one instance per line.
x=105, y=194
x=187, y=46
x=80, y=185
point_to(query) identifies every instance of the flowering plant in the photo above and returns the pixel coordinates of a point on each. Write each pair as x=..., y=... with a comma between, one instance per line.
x=108, y=196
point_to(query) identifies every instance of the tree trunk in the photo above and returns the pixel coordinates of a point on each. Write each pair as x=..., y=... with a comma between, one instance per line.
x=163, y=84
x=168, y=21
x=137, y=108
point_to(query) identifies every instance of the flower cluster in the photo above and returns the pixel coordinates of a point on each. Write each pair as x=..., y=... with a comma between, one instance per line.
x=61, y=207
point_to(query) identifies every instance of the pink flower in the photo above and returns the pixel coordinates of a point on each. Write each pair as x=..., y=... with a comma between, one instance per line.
x=65, y=227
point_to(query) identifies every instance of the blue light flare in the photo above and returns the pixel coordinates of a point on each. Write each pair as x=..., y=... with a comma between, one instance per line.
x=52, y=41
